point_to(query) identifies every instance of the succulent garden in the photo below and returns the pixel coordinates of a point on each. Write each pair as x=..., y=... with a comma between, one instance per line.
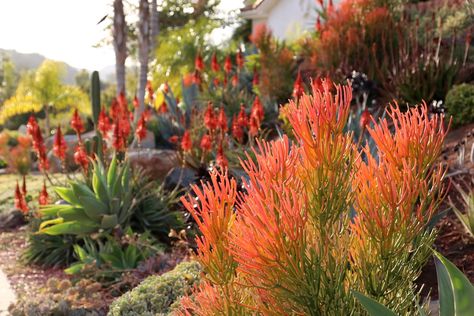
x=329, y=173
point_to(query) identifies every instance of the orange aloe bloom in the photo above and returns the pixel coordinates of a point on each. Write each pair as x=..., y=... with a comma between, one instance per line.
x=80, y=157
x=60, y=146
x=186, y=143
x=43, y=198
x=140, y=131
x=257, y=110
x=227, y=65
x=239, y=59
x=20, y=201
x=76, y=122
x=210, y=119
x=242, y=118
x=206, y=143
x=198, y=62
x=298, y=88
x=214, y=64
x=222, y=120
x=237, y=130
x=221, y=159
x=104, y=125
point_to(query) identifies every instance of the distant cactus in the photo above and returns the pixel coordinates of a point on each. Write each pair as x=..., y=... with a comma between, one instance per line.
x=95, y=96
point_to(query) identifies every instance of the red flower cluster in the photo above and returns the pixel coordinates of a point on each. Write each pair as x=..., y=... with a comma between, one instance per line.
x=140, y=131
x=20, y=200
x=210, y=119
x=199, y=63
x=298, y=88
x=206, y=143
x=80, y=157
x=43, y=198
x=59, y=146
x=149, y=90
x=38, y=143
x=365, y=119
x=120, y=115
x=227, y=65
x=76, y=123
x=239, y=60
x=186, y=143
x=222, y=120
x=214, y=64
x=103, y=124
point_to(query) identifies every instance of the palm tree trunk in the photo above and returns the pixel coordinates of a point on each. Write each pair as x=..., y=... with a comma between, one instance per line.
x=120, y=44
x=143, y=52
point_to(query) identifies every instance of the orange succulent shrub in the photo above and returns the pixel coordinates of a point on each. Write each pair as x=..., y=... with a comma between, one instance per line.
x=396, y=198
x=351, y=36
x=290, y=245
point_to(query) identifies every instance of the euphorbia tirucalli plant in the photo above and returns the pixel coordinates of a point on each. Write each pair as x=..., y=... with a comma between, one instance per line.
x=290, y=246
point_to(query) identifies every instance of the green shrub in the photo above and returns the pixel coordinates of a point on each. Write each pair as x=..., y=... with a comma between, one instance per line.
x=156, y=294
x=460, y=104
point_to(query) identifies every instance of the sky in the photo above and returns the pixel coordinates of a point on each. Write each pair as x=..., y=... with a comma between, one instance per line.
x=63, y=30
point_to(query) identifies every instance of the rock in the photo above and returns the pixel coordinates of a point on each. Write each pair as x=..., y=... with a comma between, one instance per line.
x=148, y=142
x=155, y=162
x=183, y=177
x=11, y=219
x=434, y=307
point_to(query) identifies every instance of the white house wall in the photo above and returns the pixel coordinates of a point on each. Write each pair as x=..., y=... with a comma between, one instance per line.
x=288, y=19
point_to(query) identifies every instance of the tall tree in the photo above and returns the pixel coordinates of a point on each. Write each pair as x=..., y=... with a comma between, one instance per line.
x=143, y=26
x=155, y=26
x=8, y=78
x=43, y=90
x=119, y=32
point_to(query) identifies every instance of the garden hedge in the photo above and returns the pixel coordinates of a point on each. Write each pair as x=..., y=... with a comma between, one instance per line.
x=156, y=294
x=460, y=104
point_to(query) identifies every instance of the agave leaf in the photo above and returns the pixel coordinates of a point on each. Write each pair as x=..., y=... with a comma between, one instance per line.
x=67, y=195
x=73, y=228
x=452, y=279
x=112, y=173
x=373, y=307
x=445, y=289
x=465, y=221
x=82, y=190
x=126, y=177
x=75, y=268
x=52, y=210
x=80, y=252
x=109, y=221
x=75, y=214
x=54, y=221
x=99, y=186
x=93, y=207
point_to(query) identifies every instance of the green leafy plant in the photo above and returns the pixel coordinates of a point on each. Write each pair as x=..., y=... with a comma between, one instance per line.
x=157, y=209
x=107, y=205
x=466, y=219
x=158, y=295
x=110, y=258
x=456, y=293
x=460, y=104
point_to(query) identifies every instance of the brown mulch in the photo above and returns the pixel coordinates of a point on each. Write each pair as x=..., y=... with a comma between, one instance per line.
x=453, y=242
x=25, y=280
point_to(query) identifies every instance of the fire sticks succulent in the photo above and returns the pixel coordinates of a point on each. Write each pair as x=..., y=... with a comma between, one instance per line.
x=292, y=245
